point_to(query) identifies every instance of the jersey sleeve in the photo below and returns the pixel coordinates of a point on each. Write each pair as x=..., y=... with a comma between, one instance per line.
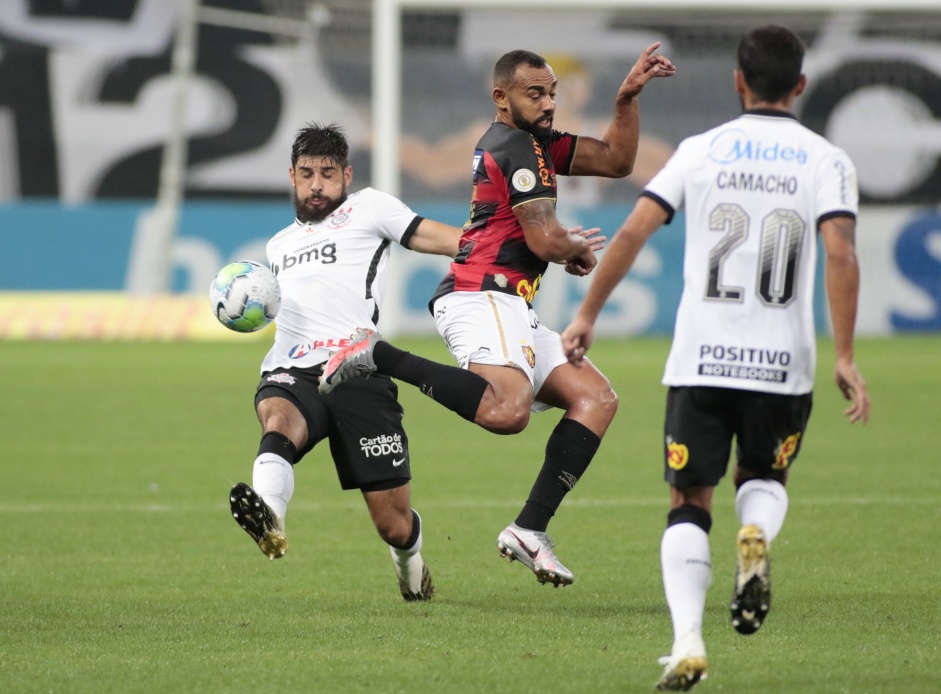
x=837, y=192
x=562, y=150
x=394, y=219
x=668, y=186
x=526, y=167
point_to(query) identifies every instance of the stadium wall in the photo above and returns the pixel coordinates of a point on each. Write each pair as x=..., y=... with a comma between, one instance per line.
x=87, y=95
x=72, y=266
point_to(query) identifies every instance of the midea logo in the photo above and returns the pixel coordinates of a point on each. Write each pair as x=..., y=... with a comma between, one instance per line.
x=730, y=146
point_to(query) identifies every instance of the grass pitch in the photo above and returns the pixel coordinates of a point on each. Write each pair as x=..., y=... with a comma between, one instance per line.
x=122, y=570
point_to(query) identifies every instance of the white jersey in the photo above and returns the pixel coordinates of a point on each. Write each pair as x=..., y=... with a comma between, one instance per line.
x=333, y=276
x=755, y=190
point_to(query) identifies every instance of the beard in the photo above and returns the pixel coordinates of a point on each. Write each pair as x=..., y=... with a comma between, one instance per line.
x=312, y=215
x=539, y=129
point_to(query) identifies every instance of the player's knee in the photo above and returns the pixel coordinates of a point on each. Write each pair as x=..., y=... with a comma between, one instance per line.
x=505, y=420
x=606, y=403
x=506, y=415
x=396, y=530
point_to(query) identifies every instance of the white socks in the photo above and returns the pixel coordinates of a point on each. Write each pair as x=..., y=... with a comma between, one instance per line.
x=408, y=564
x=687, y=573
x=401, y=556
x=762, y=503
x=273, y=480
x=685, y=558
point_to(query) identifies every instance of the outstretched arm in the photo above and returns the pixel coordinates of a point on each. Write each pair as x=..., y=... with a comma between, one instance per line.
x=628, y=241
x=613, y=155
x=842, y=282
x=435, y=237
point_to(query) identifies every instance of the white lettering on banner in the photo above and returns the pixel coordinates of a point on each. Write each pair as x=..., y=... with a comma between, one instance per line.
x=110, y=97
x=899, y=252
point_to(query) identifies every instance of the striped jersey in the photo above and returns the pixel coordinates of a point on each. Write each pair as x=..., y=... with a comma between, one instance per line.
x=333, y=276
x=511, y=167
x=755, y=190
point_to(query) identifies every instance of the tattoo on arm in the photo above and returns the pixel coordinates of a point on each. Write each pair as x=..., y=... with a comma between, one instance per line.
x=546, y=236
x=539, y=213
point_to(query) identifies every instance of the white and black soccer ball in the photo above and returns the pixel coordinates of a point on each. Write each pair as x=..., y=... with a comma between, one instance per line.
x=245, y=296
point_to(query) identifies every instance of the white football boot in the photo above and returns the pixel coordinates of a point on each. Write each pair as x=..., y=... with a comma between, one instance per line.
x=414, y=576
x=685, y=666
x=534, y=549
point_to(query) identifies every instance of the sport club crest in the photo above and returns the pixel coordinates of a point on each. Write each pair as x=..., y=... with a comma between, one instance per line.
x=785, y=452
x=340, y=218
x=677, y=455
x=530, y=355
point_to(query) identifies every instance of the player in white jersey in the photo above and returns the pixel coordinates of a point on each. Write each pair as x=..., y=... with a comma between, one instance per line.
x=757, y=192
x=332, y=264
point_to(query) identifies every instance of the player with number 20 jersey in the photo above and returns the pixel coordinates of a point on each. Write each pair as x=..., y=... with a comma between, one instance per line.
x=759, y=191
x=755, y=190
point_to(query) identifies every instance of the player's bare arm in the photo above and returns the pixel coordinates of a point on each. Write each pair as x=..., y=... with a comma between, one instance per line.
x=842, y=283
x=435, y=238
x=548, y=238
x=613, y=155
x=628, y=241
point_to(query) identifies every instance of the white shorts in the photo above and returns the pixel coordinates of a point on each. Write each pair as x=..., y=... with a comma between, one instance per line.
x=501, y=330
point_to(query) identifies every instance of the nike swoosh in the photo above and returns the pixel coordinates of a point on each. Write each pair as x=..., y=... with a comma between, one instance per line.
x=532, y=553
x=396, y=463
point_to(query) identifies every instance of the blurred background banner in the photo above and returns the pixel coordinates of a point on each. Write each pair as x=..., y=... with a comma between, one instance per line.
x=136, y=158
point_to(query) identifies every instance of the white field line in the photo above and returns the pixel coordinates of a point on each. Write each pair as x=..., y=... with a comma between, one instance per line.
x=296, y=506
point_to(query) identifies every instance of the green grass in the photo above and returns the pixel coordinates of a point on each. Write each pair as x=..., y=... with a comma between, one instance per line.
x=122, y=571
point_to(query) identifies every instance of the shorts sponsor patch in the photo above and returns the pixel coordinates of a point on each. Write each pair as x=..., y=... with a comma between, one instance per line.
x=282, y=378
x=384, y=444
x=785, y=452
x=677, y=454
x=524, y=180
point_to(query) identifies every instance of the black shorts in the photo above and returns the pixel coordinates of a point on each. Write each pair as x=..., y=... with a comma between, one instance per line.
x=362, y=418
x=701, y=423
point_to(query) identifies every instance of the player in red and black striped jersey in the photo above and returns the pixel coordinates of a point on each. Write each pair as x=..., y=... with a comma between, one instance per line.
x=483, y=307
x=511, y=167
x=512, y=364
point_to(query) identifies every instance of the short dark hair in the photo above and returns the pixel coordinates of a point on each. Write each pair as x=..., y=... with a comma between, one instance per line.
x=770, y=58
x=317, y=140
x=505, y=69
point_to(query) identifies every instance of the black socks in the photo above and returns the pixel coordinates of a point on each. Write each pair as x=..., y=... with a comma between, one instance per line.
x=457, y=389
x=568, y=453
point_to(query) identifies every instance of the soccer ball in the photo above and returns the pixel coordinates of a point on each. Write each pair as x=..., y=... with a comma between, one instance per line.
x=245, y=296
